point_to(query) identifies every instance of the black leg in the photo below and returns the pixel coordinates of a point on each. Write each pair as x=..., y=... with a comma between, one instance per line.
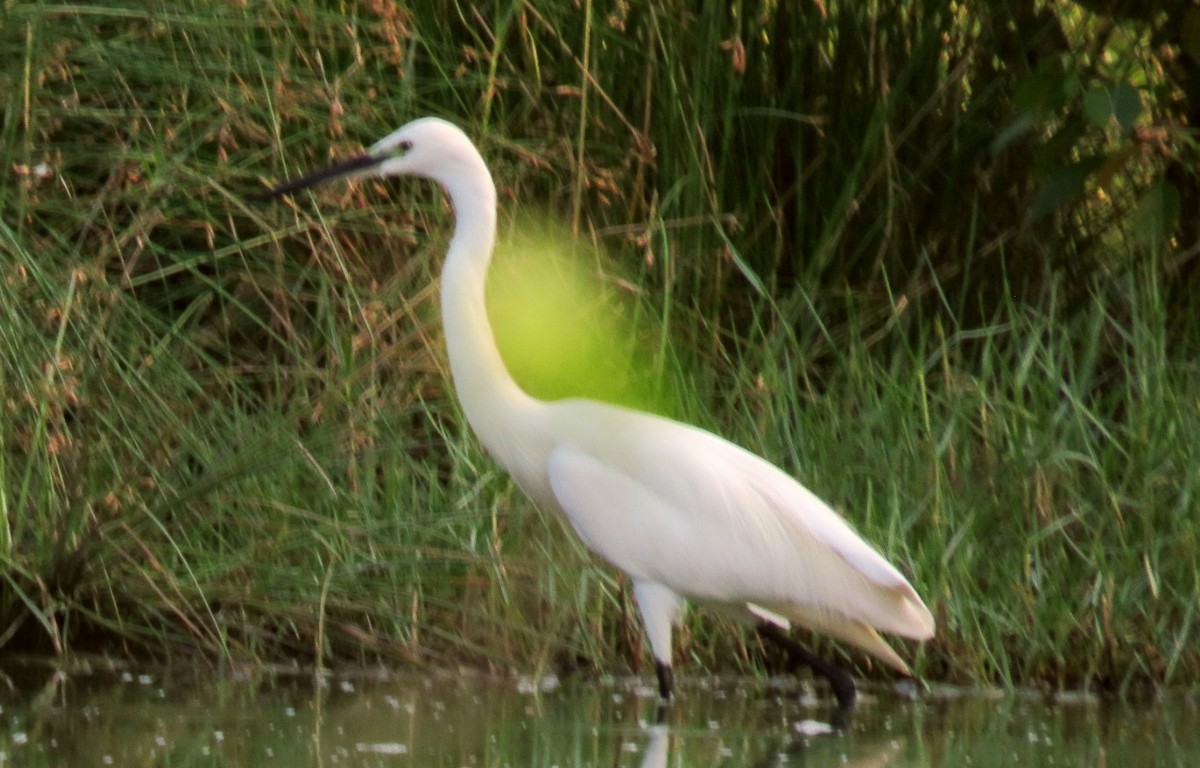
x=664, y=679
x=840, y=679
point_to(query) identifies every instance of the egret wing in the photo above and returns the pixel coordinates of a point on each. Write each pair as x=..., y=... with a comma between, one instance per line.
x=677, y=505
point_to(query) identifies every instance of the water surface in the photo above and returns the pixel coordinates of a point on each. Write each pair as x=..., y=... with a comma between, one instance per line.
x=155, y=717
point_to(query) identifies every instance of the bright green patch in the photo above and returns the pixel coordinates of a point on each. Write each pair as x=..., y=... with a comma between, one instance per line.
x=567, y=325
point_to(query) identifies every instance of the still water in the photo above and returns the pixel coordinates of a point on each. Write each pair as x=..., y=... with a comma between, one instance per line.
x=188, y=718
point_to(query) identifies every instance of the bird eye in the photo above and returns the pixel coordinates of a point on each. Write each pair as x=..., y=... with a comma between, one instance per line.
x=404, y=146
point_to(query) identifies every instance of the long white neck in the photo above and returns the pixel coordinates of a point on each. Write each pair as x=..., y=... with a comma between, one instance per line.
x=493, y=402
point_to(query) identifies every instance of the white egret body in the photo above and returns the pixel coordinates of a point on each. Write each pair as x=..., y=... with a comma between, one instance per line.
x=686, y=514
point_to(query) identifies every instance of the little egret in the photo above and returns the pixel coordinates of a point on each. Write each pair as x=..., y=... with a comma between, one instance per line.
x=686, y=514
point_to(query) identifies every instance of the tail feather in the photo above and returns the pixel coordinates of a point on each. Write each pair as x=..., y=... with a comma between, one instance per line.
x=856, y=633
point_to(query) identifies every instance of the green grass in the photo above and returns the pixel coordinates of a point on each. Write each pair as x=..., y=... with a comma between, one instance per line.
x=227, y=429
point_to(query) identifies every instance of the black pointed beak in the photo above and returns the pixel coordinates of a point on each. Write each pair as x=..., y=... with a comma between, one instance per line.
x=351, y=167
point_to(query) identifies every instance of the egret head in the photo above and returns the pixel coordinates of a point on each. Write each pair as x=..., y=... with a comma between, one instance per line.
x=429, y=147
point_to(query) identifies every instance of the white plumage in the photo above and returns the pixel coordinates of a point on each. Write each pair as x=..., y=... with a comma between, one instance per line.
x=686, y=514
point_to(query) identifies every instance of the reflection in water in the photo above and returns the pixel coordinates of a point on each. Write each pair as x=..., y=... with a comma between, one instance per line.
x=657, y=749
x=180, y=719
x=655, y=754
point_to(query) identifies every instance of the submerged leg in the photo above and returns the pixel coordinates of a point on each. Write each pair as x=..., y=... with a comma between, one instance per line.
x=839, y=679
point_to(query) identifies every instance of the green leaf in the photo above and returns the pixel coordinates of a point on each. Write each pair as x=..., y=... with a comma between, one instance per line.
x=1098, y=106
x=1037, y=95
x=1157, y=212
x=1127, y=105
x=1103, y=103
x=1042, y=90
x=1063, y=186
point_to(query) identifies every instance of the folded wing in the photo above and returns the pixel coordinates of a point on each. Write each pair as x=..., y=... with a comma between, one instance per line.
x=681, y=507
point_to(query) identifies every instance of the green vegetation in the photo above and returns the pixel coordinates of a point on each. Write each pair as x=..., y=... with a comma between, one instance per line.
x=937, y=259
